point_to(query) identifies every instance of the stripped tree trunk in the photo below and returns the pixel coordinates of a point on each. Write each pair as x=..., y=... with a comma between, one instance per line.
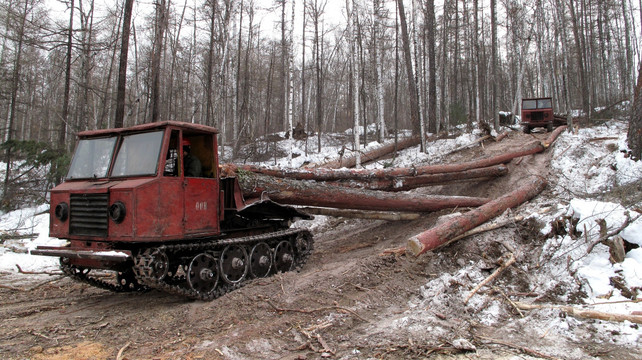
x=294, y=192
x=349, y=162
x=440, y=235
x=323, y=174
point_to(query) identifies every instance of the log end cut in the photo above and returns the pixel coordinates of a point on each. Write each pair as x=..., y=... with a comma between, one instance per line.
x=414, y=246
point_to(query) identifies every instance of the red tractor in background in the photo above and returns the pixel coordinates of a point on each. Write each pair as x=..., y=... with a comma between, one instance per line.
x=130, y=205
x=538, y=112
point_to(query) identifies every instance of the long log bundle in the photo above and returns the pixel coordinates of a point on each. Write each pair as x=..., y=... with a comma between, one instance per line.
x=309, y=193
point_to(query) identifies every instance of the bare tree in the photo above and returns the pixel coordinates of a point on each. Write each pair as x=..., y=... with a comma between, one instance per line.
x=159, y=35
x=412, y=86
x=122, y=65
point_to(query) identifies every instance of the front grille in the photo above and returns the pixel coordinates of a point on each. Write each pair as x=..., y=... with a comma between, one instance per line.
x=89, y=214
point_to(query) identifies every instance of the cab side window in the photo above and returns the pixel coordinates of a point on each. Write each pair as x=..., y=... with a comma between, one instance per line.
x=171, y=159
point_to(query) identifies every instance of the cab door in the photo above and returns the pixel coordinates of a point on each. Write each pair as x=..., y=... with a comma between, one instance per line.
x=201, y=191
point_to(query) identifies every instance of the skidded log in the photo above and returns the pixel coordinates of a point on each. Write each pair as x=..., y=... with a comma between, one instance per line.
x=439, y=235
x=310, y=193
x=366, y=175
x=362, y=214
x=412, y=182
x=351, y=161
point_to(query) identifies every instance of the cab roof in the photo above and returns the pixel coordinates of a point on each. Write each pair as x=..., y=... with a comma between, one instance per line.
x=150, y=127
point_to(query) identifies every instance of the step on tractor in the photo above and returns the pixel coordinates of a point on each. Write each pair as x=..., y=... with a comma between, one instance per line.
x=149, y=204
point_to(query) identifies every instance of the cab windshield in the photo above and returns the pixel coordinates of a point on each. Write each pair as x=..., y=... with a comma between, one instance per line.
x=92, y=158
x=137, y=155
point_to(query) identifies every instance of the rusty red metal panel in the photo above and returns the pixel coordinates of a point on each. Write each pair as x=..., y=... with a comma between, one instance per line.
x=58, y=228
x=124, y=229
x=201, y=206
x=158, y=212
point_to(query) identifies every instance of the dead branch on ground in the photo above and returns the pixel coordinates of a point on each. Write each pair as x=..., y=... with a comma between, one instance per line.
x=583, y=314
x=518, y=347
x=505, y=261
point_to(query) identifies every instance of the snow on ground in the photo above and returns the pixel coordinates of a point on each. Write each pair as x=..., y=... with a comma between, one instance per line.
x=588, y=164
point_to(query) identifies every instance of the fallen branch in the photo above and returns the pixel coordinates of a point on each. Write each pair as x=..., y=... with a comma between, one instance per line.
x=583, y=314
x=51, y=273
x=504, y=264
x=361, y=214
x=485, y=228
x=604, y=236
x=121, y=351
x=33, y=287
x=518, y=347
x=439, y=235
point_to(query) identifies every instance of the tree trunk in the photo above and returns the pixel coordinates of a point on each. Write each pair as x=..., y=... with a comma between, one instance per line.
x=328, y=174
x=412, y=86
x=122, y=66
x=161, y=20
x=439, y=235
x=297, y=192
x=15, y=83
x=413, y=182
x=372, y=155
x=635, y=123
x=65, y=102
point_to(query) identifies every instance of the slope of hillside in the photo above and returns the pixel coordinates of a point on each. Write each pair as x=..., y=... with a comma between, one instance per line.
x=355, y=299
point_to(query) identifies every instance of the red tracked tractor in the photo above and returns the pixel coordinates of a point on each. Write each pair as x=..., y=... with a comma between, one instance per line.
x=538, y=112
x=160, y=215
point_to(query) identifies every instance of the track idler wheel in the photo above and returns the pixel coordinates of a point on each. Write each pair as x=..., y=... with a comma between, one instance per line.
x=154, y=264
x=234, y=264
x=202, y=273
x=260, y=260
x=283, y=257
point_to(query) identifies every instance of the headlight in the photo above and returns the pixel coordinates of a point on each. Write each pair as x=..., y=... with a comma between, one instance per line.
x=117, y=212
x=61, y=211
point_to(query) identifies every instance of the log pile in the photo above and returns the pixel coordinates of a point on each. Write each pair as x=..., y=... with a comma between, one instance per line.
x=367, y=190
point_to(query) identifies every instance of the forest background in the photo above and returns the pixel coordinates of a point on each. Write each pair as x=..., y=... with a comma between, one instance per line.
x=73, y=65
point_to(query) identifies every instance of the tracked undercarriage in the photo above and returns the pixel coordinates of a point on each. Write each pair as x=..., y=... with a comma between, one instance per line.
x=205, y=270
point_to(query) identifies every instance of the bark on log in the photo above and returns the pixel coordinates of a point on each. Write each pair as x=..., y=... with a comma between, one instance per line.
x=322, y=174
x=551, y=138
x=501, y=136
x=439, y=235
x=362, y=214
x=308, y=193
x=351, y=161
x=413, y=182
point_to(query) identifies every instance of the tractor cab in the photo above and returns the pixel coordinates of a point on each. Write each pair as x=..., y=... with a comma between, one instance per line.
x=133, y=185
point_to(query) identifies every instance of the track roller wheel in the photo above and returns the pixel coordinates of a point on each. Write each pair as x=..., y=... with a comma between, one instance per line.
x=283, y=257
x=127, y=279
x=202, y=273
x=234, y=264
x=260, y=260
